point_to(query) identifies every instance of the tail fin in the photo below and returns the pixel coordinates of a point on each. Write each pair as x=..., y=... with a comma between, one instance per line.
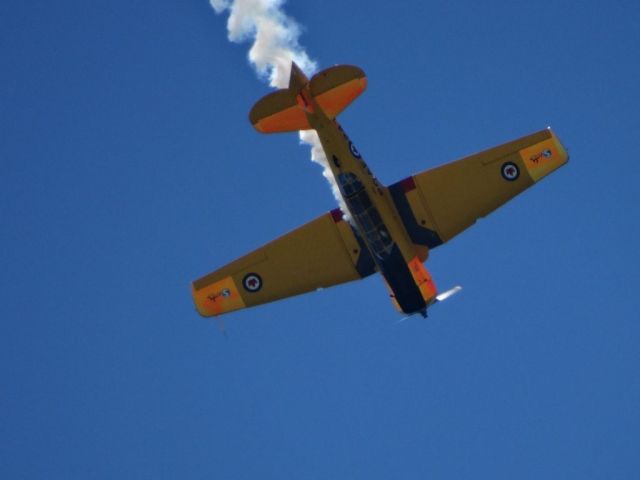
x=332, y=89
x=297, y=79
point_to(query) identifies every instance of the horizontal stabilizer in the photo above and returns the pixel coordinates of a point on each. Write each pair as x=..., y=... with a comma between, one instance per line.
x=279, y=112
x=336, y=87
x=285, y=110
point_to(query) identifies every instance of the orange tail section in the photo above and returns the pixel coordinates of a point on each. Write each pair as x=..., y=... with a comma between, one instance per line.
x=286, y=110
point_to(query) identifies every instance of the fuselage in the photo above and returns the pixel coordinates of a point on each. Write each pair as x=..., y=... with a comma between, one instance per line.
x=370, y=208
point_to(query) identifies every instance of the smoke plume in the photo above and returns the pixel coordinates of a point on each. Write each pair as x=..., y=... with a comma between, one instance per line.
x=274, y=46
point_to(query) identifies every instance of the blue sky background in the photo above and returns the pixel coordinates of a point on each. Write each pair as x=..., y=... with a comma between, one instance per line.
x=128, y=168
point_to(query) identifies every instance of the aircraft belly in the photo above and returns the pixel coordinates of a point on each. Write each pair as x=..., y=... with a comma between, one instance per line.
x=383, y=236
x=381, y=243
x=395, y=271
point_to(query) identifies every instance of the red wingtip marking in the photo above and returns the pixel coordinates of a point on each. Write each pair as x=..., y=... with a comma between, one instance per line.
x=336, y=214
x=407, y=184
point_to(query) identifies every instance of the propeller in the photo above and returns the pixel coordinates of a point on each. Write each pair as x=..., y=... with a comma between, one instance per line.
x=449, y=293
x=441, y=297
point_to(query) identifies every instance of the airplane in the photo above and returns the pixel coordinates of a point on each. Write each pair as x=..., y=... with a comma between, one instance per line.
x=390, y=229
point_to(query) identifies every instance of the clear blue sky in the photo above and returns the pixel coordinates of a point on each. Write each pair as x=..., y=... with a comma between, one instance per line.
x=128, y=168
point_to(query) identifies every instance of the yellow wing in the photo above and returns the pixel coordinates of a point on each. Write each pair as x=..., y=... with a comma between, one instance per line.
x=321, y=253
x=437, y=204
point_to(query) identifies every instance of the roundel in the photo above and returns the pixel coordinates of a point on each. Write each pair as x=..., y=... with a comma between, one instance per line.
x=510, y=171
x=354, y=150
x=252, y=282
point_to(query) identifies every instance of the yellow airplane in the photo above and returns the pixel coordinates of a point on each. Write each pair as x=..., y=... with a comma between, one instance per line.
x=389, y=229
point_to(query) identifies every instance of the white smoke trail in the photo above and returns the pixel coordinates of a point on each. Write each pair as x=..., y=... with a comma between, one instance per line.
x=275, y=45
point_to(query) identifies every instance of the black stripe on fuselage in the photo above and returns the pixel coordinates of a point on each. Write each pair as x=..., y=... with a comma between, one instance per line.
x=383, y=250
x=365, y=266
x=419, y=235
x=396, y=272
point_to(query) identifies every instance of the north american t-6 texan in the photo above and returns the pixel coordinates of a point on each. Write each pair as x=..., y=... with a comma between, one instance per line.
x=389, y=230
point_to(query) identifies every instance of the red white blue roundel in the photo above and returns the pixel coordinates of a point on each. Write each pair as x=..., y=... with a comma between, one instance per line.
x=510, y=171
x=252, y=282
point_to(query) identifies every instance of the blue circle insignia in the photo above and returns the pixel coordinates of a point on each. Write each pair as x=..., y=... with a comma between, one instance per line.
x=510, y=171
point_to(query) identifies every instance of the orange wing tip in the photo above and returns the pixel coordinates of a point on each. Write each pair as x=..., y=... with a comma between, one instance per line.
x=544, y=157
x=217, y=298
x=561, y=149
